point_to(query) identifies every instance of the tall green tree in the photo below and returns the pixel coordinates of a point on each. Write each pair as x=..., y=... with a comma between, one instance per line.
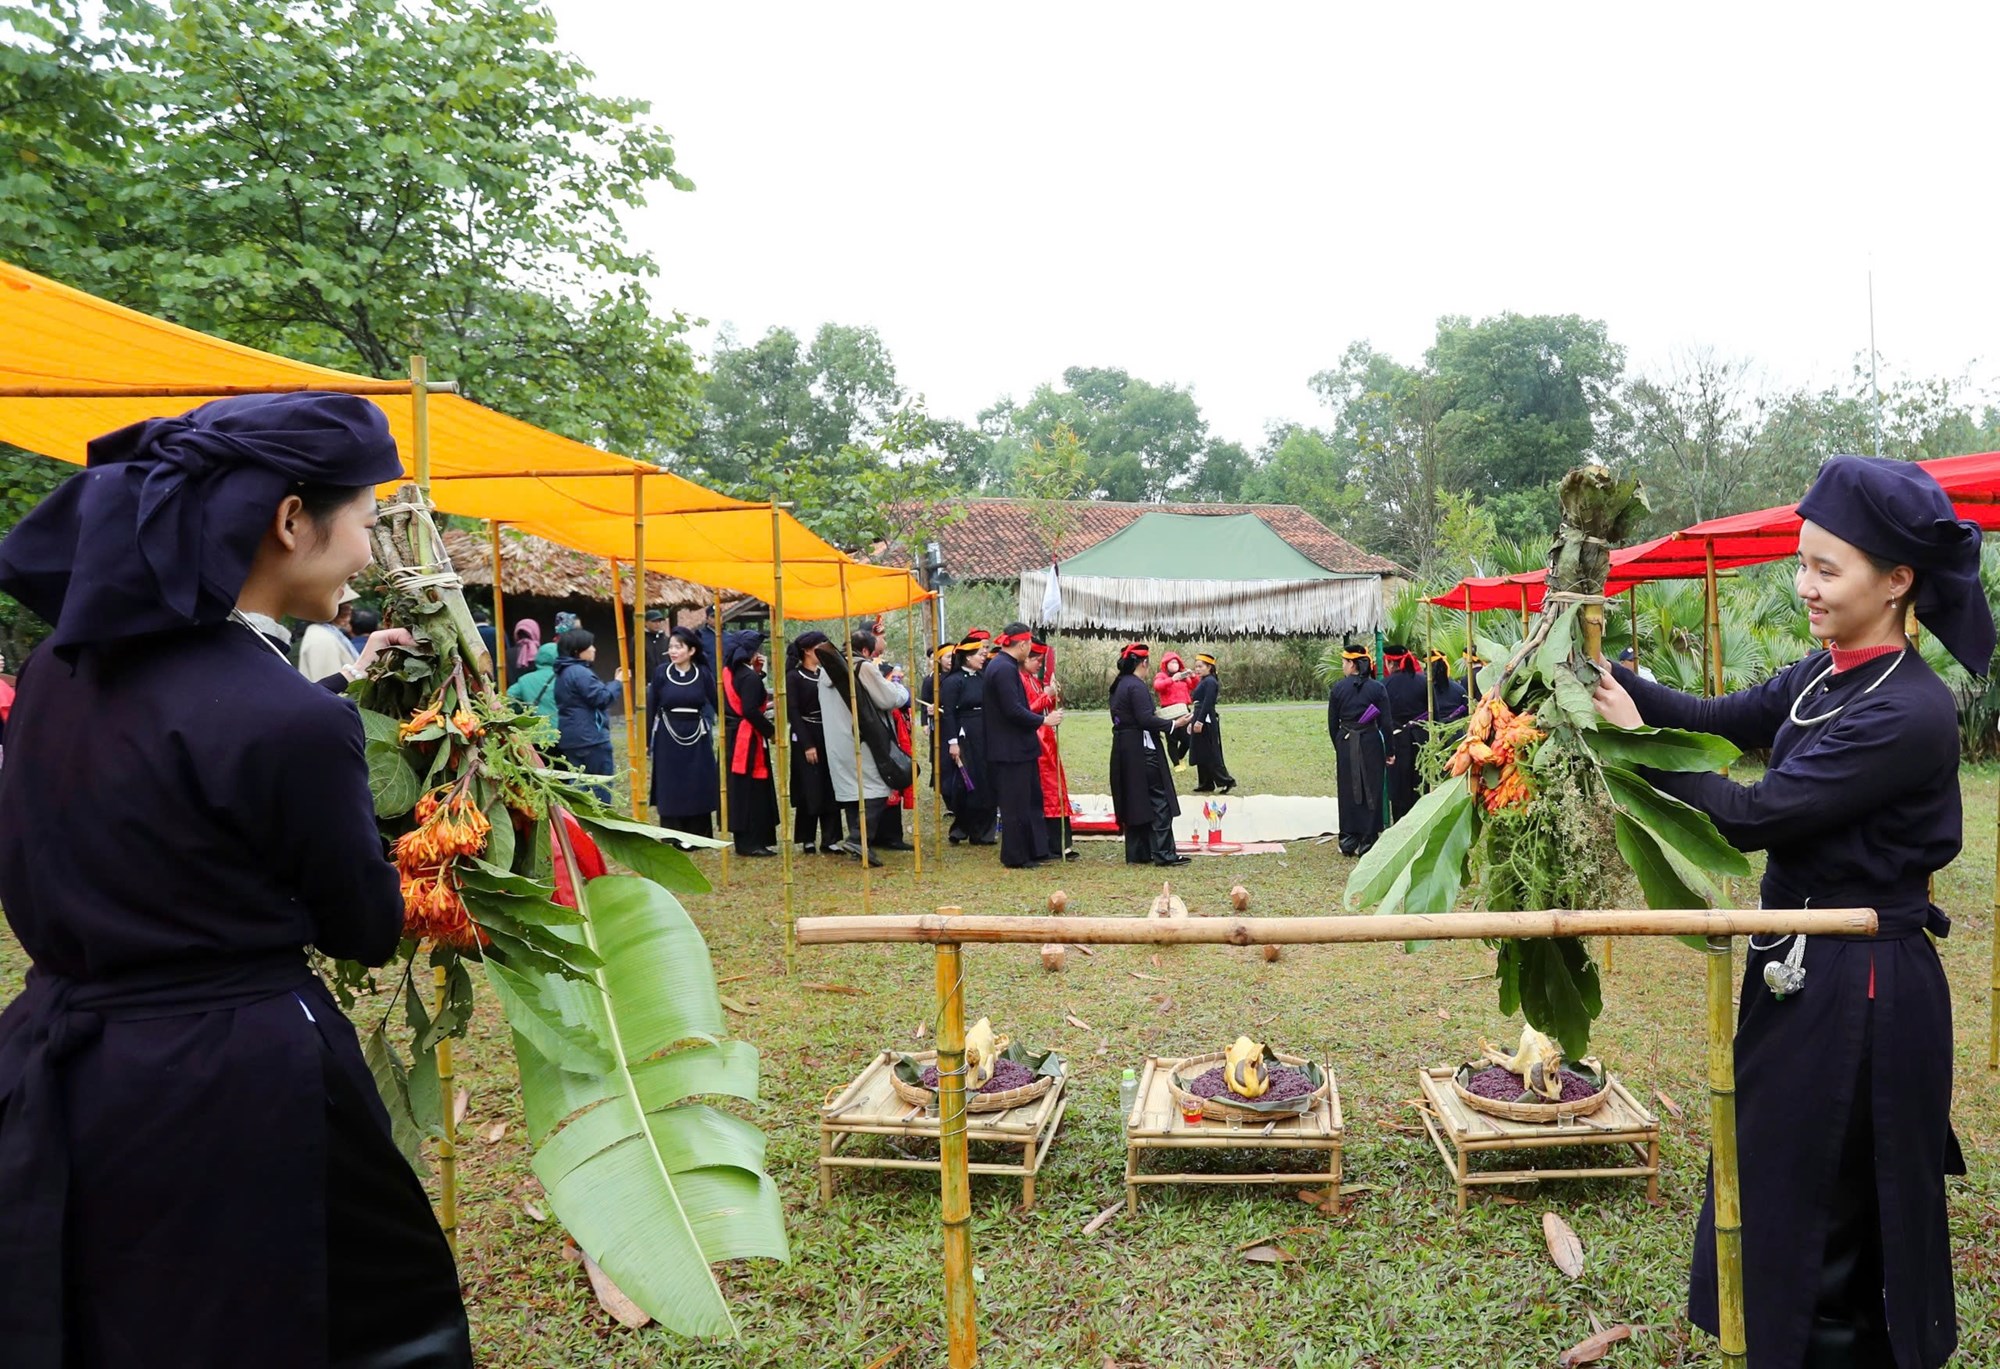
x=1143, y=439
x=1394, y=420
x=1531, y=395
x=804, y=401
x=1303, y=466
x=344, y=183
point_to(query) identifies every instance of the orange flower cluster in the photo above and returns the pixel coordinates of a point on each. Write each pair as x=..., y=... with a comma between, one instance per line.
x=432, y=907
x=1493, y=741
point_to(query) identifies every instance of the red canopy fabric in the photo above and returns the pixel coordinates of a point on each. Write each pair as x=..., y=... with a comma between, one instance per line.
x=1742, y=539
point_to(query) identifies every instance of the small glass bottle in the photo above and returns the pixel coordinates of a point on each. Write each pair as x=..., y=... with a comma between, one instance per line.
x=1128, y=1091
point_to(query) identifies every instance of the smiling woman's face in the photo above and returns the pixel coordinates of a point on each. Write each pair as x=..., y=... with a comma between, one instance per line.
x=1847, y=600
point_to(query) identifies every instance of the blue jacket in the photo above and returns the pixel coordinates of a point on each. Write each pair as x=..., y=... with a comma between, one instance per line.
x=581, y=699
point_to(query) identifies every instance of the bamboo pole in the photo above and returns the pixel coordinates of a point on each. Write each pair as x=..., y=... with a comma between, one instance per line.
x=1524, y=610
x=1993, y=1003
x=1632, y=598
x=722, y=742
x=1722, y=1141
x=781, y=740
x=916, y=791
x=642, y=756
x=937, y=747
x=954, y=1181
x=854, y=727
x=503, y=641
x=1471, y=676
x=1712, y=624
x=1363, y=927
x=341, y=387
x=625, y=691
x=447, y=1143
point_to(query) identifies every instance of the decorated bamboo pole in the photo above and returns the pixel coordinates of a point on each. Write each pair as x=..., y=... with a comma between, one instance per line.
x=642, y=754
x=937, y=745
x=780, y=739
x=1712, y=624
x=1632, y=598
x=916, y=791
x=1993, y=1029
x=954, y=1179
x=1722, y=1142
x=420, y=435
x=854, y=728
x=625, y=691
x=722, y=742
x=1524, y=610
x=501, y=639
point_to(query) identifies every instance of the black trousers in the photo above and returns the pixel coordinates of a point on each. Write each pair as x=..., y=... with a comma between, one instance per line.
x=1849, y=1319
x=888, y=829
x=1154, y=841
x=1058, y=829
x=822, y=829
x=695, y=824
x=1359, y=762
x=854, y=819
x=1024, y=836
x=1177, y=745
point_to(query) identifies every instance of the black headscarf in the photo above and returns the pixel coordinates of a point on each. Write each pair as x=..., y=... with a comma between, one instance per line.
x=739, y=646
x=795, y=650
x=159, y=531
x=691, y=639
x=1897, y=510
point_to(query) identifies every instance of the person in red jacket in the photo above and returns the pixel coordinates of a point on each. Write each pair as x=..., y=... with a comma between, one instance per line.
x=1043, y=695
x=1174, y=683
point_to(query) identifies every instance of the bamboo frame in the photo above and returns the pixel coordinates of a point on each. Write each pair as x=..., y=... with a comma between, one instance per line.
x=642, y=755
x=948, y=928
x=1459, y=1132
x=916, y=779
x=1712, y=623
x=625, y=693
x=781, y=742
x=954, y=1184
x=503, y=641
x=722, y=742
x=1727, y=1183
x=340, y=387
x=854, y=728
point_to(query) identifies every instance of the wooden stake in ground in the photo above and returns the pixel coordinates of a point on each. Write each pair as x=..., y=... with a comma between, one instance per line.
x=1722, y=1143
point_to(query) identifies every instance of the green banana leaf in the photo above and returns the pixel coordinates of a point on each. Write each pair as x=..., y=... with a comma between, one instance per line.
x=1660, y=748
x=645, y=850
x=654, y=1186
x=1389, y=858
x=1280, y=1107
x=1666, y=882
x=1684, y=833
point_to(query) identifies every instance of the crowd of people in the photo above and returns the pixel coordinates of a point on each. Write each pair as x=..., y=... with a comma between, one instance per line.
x=1378, y=726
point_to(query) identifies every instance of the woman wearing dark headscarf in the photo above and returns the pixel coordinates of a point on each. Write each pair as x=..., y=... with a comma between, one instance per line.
x=1205, y=726
x=968, y=792
x=1409, y=703
x=816, y=824
x=1357, y=717
x=680, y=704
x=753, y=800
x=180, y=1097
x=1142, y=785
x=1843, y=1044
x=1447, y=695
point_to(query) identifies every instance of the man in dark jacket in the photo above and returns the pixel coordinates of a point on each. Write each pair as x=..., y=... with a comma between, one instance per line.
x=1014, y=751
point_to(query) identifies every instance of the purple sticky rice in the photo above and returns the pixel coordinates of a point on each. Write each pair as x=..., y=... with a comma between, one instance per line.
x=1505, y=1086
x=1286, y=1082
x=1007, y=1074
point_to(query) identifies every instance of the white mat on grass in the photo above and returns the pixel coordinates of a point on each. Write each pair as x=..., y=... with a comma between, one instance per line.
x=1250, y=817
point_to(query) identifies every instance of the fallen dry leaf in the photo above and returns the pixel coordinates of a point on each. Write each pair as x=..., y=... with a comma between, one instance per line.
x=1564, y=1248
x=923, y=1030
x=536, y=1212
x=1669, y=1104
x=612, y=1299
x=1503, y=1199
x=1149, y=978
x=1096, y=1224
x=1262, y=1252
x=1166, y=1003
x=1312, y=1197
x=494, y=1132
x=745, y=1006
x=1346, y=1189
x=734, y=979
x=847, y=989
x=1076, y=1022
x=1591, y=1350
x=1155, y=958
x=460, y=1102
x=1085, y=949
x=888, y=1358
x=1444, y=1015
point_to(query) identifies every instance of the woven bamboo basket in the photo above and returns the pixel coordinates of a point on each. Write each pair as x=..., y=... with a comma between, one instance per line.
x=1533, y=1112
x=1221, y=1110
x=974, y=1102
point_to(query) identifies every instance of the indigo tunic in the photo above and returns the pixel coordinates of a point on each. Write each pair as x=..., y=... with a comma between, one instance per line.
x=195, y=1167
x=1856, y=811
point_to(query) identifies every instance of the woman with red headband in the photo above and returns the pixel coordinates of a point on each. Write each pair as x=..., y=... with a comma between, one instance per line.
x=1409, y=701
x=1040, y=678
x=1357, y=717
x=1142, y=787
x=968, y=792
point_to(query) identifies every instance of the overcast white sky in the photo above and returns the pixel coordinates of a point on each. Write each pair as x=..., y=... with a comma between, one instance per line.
x=1225, y=196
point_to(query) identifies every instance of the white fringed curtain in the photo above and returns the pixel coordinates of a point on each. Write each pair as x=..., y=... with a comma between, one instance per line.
x=1207, y=608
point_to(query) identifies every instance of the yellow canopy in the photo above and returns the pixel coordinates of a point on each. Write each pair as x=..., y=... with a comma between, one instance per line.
x=83, y=351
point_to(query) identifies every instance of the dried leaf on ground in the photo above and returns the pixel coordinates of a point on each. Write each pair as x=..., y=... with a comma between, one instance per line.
x=536, y=1212
x=612, y=1299
x=460, y=1102
x=1267, y=1252
x=1564, y=1247
x=847, y=989
x=1155, y=958
x=923, y=1030
x=737, y=979
x=1591, y=1350
x=1096, y=1224
x=1669, y=1104
x=1149, y=978
x=1076, y=1022
x=1312, y=1197
x=1085, y=949
x=494, y=1132
x=746, y=1007
x=889, y=1358
x=1444, y=1015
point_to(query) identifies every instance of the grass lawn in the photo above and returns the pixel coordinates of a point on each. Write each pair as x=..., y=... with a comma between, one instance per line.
x=1397, y=1279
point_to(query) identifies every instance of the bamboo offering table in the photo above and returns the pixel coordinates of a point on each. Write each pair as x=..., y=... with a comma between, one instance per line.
x=1155, y=1123
x=870, y=1106
x=1460, y=1131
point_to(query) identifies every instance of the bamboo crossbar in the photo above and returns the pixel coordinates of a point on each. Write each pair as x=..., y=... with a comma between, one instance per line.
x=348, y=387
x=935, y=929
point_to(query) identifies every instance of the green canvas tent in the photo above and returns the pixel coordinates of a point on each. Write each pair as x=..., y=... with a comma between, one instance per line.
x=1201, y=575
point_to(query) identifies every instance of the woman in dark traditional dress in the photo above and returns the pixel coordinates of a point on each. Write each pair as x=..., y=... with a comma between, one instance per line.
x=1211, y=771
x=968, y=791
x=1142, y=782
x=1844, y=1077
x=753, y=799
x=681, y=703
x=1447, y=695
x=816, y=813
x=1043, y=695
x=1357, y=717
x=195, y=1166
x=1409, y=702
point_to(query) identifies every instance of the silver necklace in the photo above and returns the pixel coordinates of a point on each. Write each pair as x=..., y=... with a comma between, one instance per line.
x=1820, y=678
x=236, y=616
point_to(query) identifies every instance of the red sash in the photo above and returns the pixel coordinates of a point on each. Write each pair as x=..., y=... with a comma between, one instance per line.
x=741, y=763
x=908, y=798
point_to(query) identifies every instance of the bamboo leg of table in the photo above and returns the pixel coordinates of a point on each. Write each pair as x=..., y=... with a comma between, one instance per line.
x=1653, y=1179
x=1463, y=1187
x=1131, y=1189
x=1028, y=1179
x=825, y=1170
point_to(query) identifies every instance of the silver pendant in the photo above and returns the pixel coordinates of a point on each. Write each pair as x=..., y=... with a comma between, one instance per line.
x=1787, y=976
